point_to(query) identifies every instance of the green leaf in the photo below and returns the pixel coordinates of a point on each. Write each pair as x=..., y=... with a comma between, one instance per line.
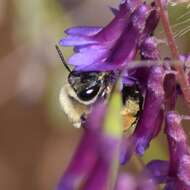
x=113, y=125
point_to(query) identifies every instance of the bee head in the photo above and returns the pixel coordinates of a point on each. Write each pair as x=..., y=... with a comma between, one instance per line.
x=88, y=86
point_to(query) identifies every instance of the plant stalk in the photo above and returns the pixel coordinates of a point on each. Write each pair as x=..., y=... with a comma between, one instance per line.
x=181, y=77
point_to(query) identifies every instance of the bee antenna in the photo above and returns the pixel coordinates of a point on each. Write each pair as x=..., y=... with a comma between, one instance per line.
x=62, y=58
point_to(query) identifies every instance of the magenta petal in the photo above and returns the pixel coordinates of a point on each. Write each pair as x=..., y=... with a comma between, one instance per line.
x=129, y=40
x=170, y=91
x=147, y=184
x=118, y=42
x=126, y=48
x=82, y=163
x=98, y=66
x=176, y=138
x=100, y=175
x=96, y=158
x=87, y=56
x=184, y=169
x=183, y=58
x=151, y=118
x=91, y=48
x=141, y=75
x=179, y=152
x=83, y=30
x=76, y=41
x=126, y=150
x=112, y=32
x=86, y=154
x=152, y=22
x=106, y=37
x=157, y=170
x=126, y=182
x=149, y=49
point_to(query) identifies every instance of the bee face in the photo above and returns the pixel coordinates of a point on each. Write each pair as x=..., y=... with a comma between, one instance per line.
x=88, y=86
x=81, y=92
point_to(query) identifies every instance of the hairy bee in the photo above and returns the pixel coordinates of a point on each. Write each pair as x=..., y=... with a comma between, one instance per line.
x=85, y=88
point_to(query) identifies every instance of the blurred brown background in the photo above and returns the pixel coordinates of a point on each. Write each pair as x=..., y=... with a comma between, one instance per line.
x=36, y=140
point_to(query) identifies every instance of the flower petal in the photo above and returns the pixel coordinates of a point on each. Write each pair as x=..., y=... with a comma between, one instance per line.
x=76, y=41
x=149, y=49
x=179, y=151
x=150, y=121
x=126, y=182
x=170, y=91
x=86, y=154
x=83, y=30
x=118, y=42
x=87, y=56
x=184, y=169
x=157, y=170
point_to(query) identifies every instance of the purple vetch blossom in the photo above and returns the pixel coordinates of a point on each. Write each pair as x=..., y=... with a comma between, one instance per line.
x=86, y=155
x=151, y=118
x=117, y=43
x=149, y=49
x=170, y=91
x=157, y=170
x=95, y=162
x=175, y=173
x=179, y=169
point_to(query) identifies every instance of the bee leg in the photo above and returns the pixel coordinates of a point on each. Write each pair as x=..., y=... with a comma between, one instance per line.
x=83, y=119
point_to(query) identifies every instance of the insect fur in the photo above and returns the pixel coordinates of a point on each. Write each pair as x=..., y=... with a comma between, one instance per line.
x=83, y=89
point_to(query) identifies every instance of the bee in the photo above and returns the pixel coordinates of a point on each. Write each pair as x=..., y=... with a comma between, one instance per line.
x=83, y=89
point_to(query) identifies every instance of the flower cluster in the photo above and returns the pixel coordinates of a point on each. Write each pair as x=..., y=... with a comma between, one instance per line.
x=111, y=47
x=103, y=146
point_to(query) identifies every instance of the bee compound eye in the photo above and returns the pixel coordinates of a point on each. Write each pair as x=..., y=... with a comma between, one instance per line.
x=89, y=93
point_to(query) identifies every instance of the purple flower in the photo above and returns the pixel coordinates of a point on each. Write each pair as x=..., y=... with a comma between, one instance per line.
x=151, y=118
x=179, y=169
x=149, y=50
x=170, y=89
x=175, y=173
x=126, y=181
x=86, y=154
x=157, y=170
x=111, y=47
x=96, y=159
